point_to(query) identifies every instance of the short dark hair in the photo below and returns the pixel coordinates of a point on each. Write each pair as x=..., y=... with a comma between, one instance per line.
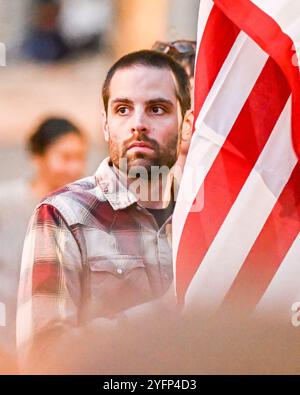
x=149, y=58
x=48, y=131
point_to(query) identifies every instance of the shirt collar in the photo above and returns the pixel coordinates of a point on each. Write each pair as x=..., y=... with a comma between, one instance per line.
x=114, y=190
x=118, y=196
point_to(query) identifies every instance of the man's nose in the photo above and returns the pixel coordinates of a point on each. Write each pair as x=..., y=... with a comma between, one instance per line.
x=139, y=122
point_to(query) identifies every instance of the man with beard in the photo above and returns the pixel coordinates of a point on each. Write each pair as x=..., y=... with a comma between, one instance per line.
x=101, y=245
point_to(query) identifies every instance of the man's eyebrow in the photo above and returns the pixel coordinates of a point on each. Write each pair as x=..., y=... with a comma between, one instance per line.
x=121, y=100
x=160, y=100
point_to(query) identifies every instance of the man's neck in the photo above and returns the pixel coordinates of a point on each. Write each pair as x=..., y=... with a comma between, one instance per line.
x=153, y=194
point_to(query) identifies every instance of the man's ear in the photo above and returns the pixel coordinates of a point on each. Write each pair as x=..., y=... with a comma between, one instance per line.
x=187, y=126
x=105, y=126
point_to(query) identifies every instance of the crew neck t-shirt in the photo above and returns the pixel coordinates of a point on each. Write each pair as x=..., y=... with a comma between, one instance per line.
x=162, y=214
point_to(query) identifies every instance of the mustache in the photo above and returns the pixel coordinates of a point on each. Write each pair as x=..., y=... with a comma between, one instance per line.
x=144, y=139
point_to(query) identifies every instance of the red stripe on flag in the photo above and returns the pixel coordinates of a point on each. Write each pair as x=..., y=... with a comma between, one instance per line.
x=230, y=170
x=269, y=36
x=269, y=250
x=218, y=38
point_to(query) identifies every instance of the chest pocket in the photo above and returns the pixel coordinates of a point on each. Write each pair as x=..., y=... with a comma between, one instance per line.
x=117, y=265
x=117, y=282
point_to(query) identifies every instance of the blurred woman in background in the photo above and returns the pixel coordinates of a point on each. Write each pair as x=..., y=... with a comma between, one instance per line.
x=58, y=150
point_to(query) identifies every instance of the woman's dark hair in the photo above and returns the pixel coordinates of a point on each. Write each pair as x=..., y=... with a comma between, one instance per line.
x=50, y=130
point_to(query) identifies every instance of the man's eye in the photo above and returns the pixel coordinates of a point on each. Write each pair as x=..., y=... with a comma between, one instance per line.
x=158, y=110
x=122, y=110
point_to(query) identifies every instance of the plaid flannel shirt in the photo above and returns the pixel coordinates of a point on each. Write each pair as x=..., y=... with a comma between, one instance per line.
x=90, y=251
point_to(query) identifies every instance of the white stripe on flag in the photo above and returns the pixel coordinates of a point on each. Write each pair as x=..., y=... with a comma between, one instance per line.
x=233, y=84
x=205, y=8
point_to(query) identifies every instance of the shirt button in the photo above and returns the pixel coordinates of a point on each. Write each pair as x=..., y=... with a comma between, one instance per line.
x=119, y=271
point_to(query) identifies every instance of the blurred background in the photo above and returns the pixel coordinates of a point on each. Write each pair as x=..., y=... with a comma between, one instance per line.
x=56, y=57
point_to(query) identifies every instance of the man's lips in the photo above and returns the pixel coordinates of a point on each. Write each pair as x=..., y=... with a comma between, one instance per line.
x=140, y=146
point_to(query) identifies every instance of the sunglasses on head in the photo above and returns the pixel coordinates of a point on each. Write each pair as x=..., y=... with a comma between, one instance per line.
x=185, y=47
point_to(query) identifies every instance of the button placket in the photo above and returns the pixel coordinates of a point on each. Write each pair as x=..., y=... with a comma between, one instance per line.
x=161, y=245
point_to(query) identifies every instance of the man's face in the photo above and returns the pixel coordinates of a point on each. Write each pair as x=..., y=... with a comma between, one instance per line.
x=143, y=117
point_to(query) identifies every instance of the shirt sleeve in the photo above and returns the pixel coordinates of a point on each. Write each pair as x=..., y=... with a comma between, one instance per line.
x=51, y=277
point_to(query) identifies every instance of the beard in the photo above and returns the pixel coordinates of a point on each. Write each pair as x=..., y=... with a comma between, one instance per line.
x=141, y=162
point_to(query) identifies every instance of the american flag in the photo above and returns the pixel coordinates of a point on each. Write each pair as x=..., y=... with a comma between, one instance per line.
x=242, y=245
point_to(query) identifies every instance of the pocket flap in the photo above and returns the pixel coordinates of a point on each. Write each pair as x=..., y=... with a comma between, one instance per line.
x=115, y=264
